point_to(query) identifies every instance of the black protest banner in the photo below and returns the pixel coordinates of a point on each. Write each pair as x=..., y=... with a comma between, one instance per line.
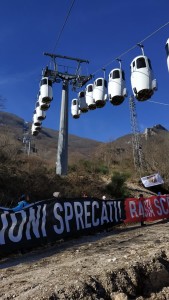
x=50, y=220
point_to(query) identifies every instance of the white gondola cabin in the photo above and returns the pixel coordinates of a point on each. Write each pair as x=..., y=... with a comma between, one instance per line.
x=41, y=115
x=35, y=119
x=35, y=129
x=75, y=111
x=89, y=97
x=82, y=102
x=116, y=87
x=142, y=82
x=167, y=52
x=43, y=106
x=46, y=90
x=100, y=92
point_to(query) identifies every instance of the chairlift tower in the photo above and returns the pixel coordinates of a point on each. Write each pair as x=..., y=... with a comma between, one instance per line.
x=136, y=141
x=77, y=81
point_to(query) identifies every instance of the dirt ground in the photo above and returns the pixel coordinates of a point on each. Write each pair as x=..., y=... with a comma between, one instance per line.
x=128, y=262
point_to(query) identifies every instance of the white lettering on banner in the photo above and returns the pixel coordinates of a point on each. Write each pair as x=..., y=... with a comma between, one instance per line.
x=145, y=208
x=156, y=203
x=104, y=217
x=78, y=215
x=110, y=204
x=15, y=232
x=132, y=206
x=44, y=220
x=33, y=222
x=95, y=222
x=119, y=208
x=140, y=209
x=68, y=216
x=84, y=214
x=148, y=208
x=163, y=208
x=59, y=218
x=115, y=211
x=4, y=227
x=87, y=214
x=17, y=238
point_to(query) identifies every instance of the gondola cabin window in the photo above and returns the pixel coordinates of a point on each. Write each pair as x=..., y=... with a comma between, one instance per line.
x=116, y=74
x=74, y=102
x=141, y=63
x=45, y=81
x=99, y=82
x=90, y=88
x=82, y=94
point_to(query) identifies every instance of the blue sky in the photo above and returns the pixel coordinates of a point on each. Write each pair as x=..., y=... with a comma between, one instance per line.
x=98, y=31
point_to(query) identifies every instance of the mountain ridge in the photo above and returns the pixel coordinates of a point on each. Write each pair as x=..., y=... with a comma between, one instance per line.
x=46, y=141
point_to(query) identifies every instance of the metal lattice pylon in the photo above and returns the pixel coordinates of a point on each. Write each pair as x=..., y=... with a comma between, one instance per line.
x=26, y=138
x=139, y=161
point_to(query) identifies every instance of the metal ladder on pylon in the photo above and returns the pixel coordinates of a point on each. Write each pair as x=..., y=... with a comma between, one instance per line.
x=138, y=155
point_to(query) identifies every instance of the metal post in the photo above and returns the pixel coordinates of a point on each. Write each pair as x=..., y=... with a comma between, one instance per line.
x=142, y=48
x=62, y=154
x=76, y=80
x=29, y=146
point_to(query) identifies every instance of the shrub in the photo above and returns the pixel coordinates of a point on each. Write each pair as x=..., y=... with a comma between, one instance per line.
x=102, y=169
x=117, y=187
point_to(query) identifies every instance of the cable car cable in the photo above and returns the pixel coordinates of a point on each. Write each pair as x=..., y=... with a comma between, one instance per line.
x=158, y=102
x=133, y=47
x=64, y=24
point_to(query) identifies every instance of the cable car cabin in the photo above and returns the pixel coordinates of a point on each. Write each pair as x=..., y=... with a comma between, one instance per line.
x=89, y=97
x=46, y=90
x=35, y=129
x=39, y=127
x=116, y=87
x=41, y=115
x=82, y=102
x=100, y=92
x=34, y=132
x=35, y=119
x=142, y=82
x=75, y=111
x=167, y=51
x=43, y=106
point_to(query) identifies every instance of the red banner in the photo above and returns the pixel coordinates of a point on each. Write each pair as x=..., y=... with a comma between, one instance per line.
x=147, y=209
